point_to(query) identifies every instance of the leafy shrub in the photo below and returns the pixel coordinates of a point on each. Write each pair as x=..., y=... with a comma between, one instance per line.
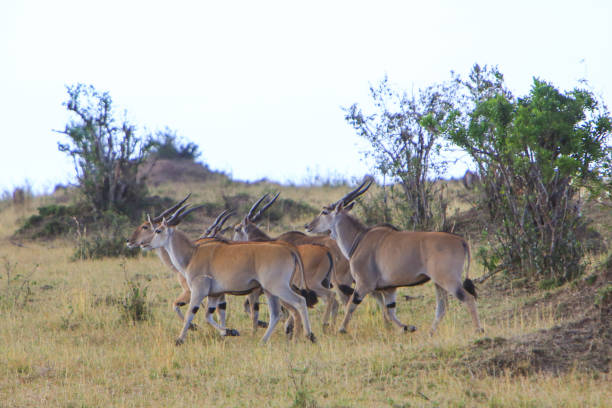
x=98, y=235
x=242, y=203
x=534, y=153
x=374, y=209
x=290, y=208
x=166, y=145
x=106, y=151
x=100, y=247
x=134, y=306
x=16, y=288
x=604, y=296
x=406, y=132
x=51, y=221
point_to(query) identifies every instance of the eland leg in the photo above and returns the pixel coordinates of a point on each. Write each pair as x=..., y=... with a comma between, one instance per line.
x=299, y=304
x=253, y=304
x=331, y=304
x=221, y=309
x=274, y=308
x=390, y=305
x=292, y=323
x=441, y=305
x=201, y=288
x=360, y=292
x=218, y=304
x=466, y=294
x=182, y=300
x=378, y=296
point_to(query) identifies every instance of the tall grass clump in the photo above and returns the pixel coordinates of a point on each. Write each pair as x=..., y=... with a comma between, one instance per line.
x=134, y=306
x=17, y=288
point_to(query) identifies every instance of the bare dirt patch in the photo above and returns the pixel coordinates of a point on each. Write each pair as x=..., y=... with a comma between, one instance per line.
x=584, y=342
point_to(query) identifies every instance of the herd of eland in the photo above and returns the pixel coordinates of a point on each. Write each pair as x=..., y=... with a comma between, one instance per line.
x=294, y=269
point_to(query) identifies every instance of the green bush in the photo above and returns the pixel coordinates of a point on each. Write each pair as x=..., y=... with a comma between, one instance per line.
x=604, y=296
x=134, y=306
x=283, y=207
x=405, y=132
x=166, y=145
x=15, y=288
x=51, y=221
x=98, y=234
x=100, y=247
x=106, y=150
x=290, y=208
x=534, y=153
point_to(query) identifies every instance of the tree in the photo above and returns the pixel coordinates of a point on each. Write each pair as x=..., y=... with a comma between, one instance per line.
x=533, y=153
x=167, y=146
x=406, y=135
x=106, y=152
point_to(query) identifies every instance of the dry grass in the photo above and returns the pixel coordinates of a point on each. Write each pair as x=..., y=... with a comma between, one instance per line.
x=67, y=346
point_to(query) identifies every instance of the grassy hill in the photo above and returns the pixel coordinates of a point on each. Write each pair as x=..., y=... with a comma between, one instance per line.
x=66, y=341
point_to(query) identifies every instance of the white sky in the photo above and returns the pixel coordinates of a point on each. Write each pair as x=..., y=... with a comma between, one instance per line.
x=260, y=85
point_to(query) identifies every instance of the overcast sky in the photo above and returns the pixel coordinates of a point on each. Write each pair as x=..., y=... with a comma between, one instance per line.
x=260, y=85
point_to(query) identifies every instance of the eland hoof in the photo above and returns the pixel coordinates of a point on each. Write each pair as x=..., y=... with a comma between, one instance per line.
x=409, y=329
x=342, y=330
x=262, y=324
x=311, y=337
x=231, y=333
x=178, y=342
x=193, y=326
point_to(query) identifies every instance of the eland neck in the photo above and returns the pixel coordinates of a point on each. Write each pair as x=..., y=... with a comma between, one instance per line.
x=256, y=234
x=165, y=258
x=180, y=249
x=346, y=231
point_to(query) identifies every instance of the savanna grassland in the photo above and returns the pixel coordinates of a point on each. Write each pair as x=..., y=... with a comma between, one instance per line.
x=64, y=340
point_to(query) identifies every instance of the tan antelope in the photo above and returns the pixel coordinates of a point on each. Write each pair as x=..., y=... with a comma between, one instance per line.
x=384, y=259
x=143, y=234
x=317, y=260
x=341, y=274
x=252, y=298
x=216, y=267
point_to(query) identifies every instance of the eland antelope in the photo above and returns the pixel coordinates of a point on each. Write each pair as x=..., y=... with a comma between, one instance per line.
x=384, y=259
x=341, y=278
x=317, y=260
x=143, y=235
x=217, y=267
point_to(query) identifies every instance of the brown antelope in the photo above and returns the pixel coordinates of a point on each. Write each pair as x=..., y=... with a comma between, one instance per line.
x=252, y=298
x=384, y=259
x=216, y=267
x=317, y=260
x=341, y=274
x=341, y=278
x=143, y=234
